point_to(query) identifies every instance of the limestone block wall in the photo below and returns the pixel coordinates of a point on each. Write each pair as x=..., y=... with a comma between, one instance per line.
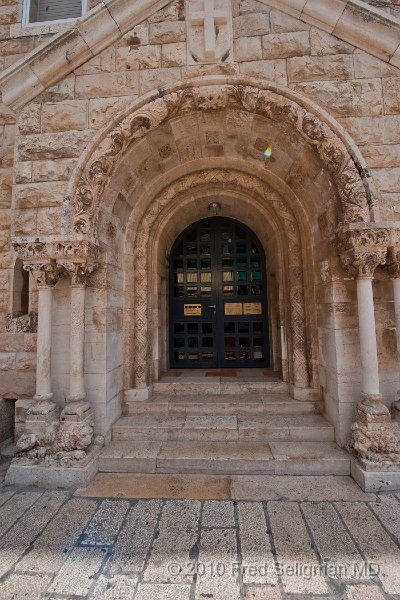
x=359, y=90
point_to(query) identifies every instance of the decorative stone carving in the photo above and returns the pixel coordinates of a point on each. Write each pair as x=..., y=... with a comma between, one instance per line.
x=209, y=31
x=363, y=248
x=21, y=323
x=393, y=261
x=373, y=436
x=142, y=309
x=62, y=441
x=78, y=271
x=352, y=181
x=79, y=250
x=44, y=273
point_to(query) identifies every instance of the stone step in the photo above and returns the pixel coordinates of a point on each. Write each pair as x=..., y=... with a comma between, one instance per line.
x=230, y=458
x=245, y=404
x=218, y=385
x=211, y=427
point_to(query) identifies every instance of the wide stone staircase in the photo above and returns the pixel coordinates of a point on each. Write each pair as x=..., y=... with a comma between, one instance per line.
x=223, y=428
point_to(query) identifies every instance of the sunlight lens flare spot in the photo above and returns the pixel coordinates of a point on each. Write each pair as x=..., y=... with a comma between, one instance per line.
x=268, y=152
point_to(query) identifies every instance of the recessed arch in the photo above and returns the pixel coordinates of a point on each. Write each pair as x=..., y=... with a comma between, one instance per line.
x=150, y=129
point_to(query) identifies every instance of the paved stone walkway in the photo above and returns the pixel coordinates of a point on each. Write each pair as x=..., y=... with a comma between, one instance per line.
x=54, y=544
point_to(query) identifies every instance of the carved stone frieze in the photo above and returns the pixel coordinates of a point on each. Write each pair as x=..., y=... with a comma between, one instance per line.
x=98, y=166
x=48, y=260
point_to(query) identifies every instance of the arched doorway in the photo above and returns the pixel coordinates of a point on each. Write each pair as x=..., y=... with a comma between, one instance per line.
x=218, y=297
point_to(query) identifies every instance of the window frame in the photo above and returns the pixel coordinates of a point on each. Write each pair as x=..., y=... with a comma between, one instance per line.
x=27, y=23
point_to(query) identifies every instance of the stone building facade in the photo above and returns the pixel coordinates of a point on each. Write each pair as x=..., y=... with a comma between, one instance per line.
x=119, y=130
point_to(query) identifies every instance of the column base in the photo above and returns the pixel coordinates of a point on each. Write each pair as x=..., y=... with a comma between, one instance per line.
x=42, y=405
x=54, y=475
x=374, y=437
x=76, y=407
x=375, y=477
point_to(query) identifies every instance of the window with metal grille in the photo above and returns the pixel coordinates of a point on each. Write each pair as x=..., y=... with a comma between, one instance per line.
x=42, y=11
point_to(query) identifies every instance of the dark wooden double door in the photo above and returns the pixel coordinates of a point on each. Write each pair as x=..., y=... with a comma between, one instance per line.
x=218, y=297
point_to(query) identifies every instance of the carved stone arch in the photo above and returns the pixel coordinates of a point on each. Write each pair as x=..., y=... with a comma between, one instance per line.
x=316, y=128
x=162, y=208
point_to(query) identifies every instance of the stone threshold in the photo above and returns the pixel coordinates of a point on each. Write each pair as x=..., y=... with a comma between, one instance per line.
x=218, y=487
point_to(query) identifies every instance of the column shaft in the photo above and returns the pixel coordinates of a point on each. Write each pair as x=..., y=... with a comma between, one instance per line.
x=77, y=338
x=366, y=320
x=43, y=371
x=396, y=293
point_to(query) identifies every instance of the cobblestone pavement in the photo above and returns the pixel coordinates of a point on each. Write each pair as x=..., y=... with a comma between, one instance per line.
x=56, y=545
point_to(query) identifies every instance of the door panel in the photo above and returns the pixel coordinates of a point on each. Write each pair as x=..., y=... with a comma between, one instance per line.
x=218, y=306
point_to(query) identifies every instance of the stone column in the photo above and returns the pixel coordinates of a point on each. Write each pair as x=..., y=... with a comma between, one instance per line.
x=46, y=276
x=393, y=267
x=372, y=432
x=76, y=404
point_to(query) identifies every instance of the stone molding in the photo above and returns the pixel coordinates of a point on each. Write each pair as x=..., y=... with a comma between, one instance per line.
x=97, y=164
x=393, y=261
x=363, y=247
x=353, y=21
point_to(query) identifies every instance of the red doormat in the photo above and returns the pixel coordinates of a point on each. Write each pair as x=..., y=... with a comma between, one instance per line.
x=224, y=373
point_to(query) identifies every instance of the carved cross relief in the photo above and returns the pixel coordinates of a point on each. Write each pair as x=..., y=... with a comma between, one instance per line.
x=209, y=31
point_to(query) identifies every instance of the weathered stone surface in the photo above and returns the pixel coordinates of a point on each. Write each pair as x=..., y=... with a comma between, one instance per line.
x=101, y=110
x=105, y=524
x=141, y=57
x=181, y=518
x=247, y=48
x=35, y=195
x=52, y=170
x=387, y=180
x=76, y=575
x=157, y=78
x=50, y=549
x=365, y=130
x=173, y=55
x=52, y=145
x=167, y=32
x=391, y=95
x=274, y=70
x=321, y=67
x=282, y=22
x=63, y=90
x=65, y=116
x=117, y=588
x=374, y=543
x=250, y=25
x=29, y=119
x=217, y=583
x=92, y=86
x=382, y=156
x=102, y=63
x=345, y=98
x=217, y=513
x=366, y=66
x=135, y=538
x=285, y=45
x=255, y=542
x=324, y=43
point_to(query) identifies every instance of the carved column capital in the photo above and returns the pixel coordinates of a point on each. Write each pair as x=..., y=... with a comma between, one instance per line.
x=362, y=248
x=78, y=271
x=46, y=273
x=393, y=261
x=362, y=262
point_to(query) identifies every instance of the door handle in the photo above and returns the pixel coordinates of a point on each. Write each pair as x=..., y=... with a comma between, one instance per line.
x=212, y=306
